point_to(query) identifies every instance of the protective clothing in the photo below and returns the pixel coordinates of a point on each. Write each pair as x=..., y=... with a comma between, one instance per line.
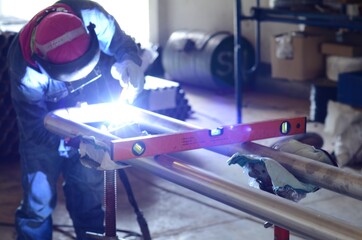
x=69, y=71
x=34, y=94
x=60, y=43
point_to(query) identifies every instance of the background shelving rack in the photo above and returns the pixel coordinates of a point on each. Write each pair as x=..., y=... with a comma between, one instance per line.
x=259, y=14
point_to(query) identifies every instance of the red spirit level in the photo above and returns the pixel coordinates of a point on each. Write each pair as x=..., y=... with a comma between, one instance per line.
x=151, y=145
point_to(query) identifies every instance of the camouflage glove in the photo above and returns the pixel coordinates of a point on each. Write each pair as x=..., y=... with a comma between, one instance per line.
x=272, y=177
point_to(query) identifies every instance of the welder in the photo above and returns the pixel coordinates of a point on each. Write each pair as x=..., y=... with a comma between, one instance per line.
x=58, y=59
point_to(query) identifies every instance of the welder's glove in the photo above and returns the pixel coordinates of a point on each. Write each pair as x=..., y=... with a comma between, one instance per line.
x=96, y=154
x=131, y=78
x=63, y=149
x=273, y=177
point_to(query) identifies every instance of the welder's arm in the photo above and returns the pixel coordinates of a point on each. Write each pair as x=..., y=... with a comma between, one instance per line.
x=112, y=39
x=115, y=42
x=28, y=98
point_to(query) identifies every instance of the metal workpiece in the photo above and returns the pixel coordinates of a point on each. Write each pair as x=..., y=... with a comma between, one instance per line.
x=307, y=170
x=271, y=208
x=326, y=176
x=70, y=123
x=279, y=211
x=65, y=124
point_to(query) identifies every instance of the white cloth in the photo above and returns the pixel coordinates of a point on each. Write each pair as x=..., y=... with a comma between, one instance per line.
x=131, y=78
x=345, y=124
x=339, y=117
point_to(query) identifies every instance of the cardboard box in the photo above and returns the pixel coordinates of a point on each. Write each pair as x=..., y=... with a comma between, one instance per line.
x=306, y=61
x=342, y=50
x=317, y=30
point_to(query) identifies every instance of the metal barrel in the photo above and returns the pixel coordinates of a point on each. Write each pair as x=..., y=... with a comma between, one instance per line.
x=199, y=58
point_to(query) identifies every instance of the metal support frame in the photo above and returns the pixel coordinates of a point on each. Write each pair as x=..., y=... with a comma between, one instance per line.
x=276, y=210
x=238, y=61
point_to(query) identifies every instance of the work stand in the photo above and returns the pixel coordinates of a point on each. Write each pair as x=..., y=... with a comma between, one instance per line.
x=110, y=205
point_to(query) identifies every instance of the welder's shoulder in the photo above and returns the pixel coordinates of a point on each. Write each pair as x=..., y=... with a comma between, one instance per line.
x=79, y=5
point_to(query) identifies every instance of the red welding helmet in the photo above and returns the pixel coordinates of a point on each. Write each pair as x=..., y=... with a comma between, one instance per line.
x=63, y=48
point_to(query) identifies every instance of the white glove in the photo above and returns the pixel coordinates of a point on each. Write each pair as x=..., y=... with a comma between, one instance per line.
x=301, y=149
x=131, y=78
x=95, y=154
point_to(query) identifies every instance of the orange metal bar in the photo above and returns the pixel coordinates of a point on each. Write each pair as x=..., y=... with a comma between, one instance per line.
x=145, y=146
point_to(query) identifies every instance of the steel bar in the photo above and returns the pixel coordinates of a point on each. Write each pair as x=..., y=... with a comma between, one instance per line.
x=279, y=211
x=323, y=175
x=238, y=62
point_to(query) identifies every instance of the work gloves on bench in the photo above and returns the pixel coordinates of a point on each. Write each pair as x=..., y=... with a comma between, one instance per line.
x=272, y=177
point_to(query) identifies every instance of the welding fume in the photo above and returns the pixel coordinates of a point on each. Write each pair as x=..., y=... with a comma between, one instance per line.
x=68, y=53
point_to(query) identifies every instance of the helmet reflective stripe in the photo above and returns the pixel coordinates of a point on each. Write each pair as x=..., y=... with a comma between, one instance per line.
x=67, y=37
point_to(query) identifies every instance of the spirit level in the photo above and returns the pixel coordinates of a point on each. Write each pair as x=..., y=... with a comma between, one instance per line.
x=151, y=145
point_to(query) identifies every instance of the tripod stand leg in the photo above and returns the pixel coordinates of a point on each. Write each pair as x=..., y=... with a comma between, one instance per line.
x=110, y=200
x=280, y=233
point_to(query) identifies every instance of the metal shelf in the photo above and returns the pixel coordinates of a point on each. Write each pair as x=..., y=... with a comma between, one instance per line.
x=259, y=14
x=333, y=20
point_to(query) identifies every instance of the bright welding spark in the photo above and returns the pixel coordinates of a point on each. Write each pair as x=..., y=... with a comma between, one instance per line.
x=112, y=114
x=128, y=94
x=122, y=113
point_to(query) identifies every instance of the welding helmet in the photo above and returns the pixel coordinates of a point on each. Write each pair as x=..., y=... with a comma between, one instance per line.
x=63, y=48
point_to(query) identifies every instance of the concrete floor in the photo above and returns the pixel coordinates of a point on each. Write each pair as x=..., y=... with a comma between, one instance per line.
x=176, y=213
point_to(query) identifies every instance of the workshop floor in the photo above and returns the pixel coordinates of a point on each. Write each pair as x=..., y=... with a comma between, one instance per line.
x=173, y=212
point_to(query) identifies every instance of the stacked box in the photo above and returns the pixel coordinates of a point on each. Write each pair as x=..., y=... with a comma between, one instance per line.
x=304, y=60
